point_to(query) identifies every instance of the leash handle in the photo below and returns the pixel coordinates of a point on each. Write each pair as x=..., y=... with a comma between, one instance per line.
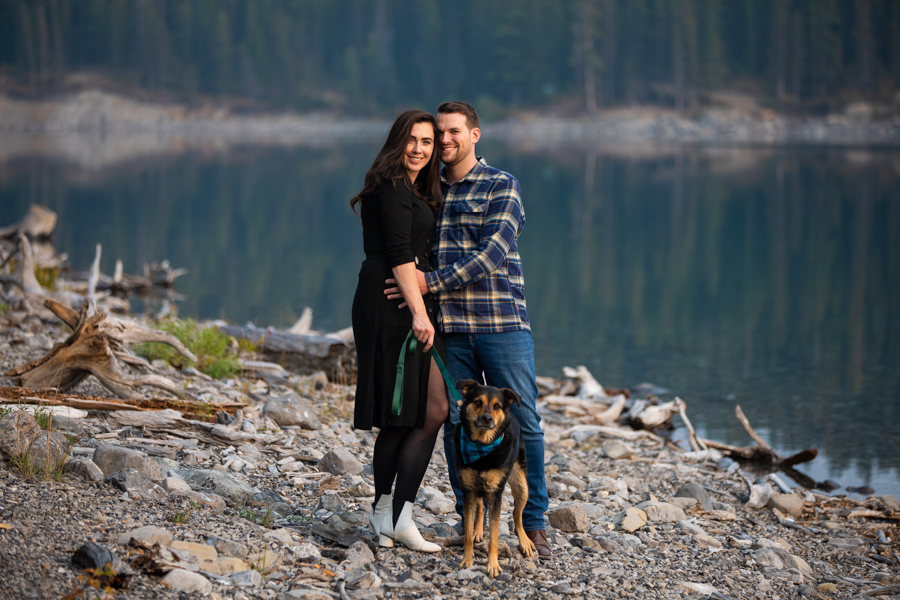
x=409, y=347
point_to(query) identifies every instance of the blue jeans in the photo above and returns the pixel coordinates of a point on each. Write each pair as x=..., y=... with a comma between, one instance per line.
x=507, y=360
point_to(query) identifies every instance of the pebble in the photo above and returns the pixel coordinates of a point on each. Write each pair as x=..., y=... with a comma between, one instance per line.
x=187, y=581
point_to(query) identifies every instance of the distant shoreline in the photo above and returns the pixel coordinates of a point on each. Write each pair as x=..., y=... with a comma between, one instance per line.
x=95, y=129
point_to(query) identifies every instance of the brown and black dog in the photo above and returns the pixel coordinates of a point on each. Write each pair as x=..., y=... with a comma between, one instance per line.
x=489, y=452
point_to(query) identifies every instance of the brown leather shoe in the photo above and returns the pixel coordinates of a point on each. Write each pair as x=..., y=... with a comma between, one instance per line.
x=539, y=537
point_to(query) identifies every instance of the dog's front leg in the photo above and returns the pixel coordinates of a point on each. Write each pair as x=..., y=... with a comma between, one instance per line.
x=479, y=521
x=469, y=508
x=493, y=565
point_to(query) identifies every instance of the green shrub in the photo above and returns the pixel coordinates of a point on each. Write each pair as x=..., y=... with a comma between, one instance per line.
x=46, y=276
x=215, y=355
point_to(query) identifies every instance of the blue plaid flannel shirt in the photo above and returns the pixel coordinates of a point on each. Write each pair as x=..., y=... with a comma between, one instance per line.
x=478, y=280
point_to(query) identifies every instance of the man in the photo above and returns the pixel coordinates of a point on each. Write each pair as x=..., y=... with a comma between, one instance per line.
x=479, y=286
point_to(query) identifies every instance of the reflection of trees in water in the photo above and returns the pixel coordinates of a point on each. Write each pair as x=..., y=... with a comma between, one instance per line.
x=773, y=275
x=778, y=284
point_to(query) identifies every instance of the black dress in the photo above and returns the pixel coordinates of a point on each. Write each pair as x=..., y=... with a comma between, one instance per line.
x=398, y=228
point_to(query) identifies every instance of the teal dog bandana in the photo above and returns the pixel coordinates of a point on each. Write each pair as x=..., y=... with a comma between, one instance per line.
x=471, y=450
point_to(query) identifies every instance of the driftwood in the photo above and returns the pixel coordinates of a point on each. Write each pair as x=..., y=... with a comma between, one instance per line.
x=644, y=415
x=18, y=395
x=592, y=410
x=172, y=422
x=97, y=347
x=37, y=223
x=763, y=454
x=304, y=354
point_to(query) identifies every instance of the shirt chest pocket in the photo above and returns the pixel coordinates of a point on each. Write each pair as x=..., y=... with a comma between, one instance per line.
x=476, y=208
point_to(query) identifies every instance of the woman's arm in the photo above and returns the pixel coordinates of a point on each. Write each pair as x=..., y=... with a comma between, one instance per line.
x=405, y=275
x=395, y=205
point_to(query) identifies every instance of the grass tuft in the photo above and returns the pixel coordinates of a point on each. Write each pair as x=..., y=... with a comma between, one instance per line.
x=216, y=356
x=46, y=276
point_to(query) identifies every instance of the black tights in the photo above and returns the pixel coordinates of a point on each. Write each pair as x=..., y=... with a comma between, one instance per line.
x=404, y=452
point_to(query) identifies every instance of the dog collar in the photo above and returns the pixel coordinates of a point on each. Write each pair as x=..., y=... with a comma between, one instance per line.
x=472, y=450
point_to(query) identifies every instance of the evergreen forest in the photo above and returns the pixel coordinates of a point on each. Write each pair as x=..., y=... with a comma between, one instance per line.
x=371, y=57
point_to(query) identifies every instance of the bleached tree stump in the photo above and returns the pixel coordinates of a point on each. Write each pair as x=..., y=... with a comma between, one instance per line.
x=98, y=347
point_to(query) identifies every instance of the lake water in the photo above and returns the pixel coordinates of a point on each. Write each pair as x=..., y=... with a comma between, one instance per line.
x=768, y=278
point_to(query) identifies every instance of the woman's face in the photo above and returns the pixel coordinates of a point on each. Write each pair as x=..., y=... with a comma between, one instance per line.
x=419, y=149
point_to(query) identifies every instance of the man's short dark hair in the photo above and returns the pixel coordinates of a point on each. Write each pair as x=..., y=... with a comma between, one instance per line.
x=463, y=108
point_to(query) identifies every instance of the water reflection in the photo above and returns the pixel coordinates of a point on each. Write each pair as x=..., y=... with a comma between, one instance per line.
x=765, y=277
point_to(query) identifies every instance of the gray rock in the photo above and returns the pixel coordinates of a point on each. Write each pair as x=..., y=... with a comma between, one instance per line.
x=629, y=543
x=760, y=494
x=570, y=518
x=248, y=578
x=292, y=410
x=362, y=579
x=234, y=492
x=84, y=468
x=175, y=484
x=228, y=547
x=214, y=501
x=575, y=467
x=114, y=458
x=95, y=556
x=707, y=541
x=358, y=556
x=662, y=512
x=611, y=546
x=304, y=594
x=888, y=501
x=630, y=519
x=330, y=501
x=18, y=430
x=791, y=504
x=187, y=581
x=306, y=552
x=341, y=462
x=149, y=534
x=696, y=491
x=569, y=480
x=685, y=503
x=768, y=557
x=690, y=527
x=849, y=544
x=133, y=482
x=617, y=450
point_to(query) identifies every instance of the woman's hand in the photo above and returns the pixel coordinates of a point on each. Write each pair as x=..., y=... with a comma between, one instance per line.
x=423, y=330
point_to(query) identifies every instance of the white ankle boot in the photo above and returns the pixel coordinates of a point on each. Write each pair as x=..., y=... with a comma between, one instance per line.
x=381, y=513
x=406, y=531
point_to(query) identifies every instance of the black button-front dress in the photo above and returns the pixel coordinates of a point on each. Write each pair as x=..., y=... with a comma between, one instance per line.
x=398, y=228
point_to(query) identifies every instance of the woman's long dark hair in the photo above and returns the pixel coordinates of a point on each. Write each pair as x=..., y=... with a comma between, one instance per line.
x=388, y=165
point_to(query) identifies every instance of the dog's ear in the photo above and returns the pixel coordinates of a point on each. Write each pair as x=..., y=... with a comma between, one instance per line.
x=510, y=397
x=465, y=386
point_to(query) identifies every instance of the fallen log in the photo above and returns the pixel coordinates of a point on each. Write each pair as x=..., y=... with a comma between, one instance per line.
x=304, y=354
x=97, y=347
x=18, y=395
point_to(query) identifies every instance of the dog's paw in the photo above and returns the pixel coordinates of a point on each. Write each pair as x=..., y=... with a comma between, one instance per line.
x=493, y=568
x=467, y=562
x=527, y=547
x=478, y=536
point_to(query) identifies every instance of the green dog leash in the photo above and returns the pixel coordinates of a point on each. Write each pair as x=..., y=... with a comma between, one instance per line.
x=409, y=347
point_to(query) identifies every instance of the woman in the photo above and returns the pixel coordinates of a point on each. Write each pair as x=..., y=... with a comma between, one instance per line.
x=398, y=203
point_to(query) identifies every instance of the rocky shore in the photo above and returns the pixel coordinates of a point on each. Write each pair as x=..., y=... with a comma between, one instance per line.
x=280, y=512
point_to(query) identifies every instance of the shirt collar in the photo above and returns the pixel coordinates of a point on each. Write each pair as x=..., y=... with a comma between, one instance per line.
x=480, y=166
